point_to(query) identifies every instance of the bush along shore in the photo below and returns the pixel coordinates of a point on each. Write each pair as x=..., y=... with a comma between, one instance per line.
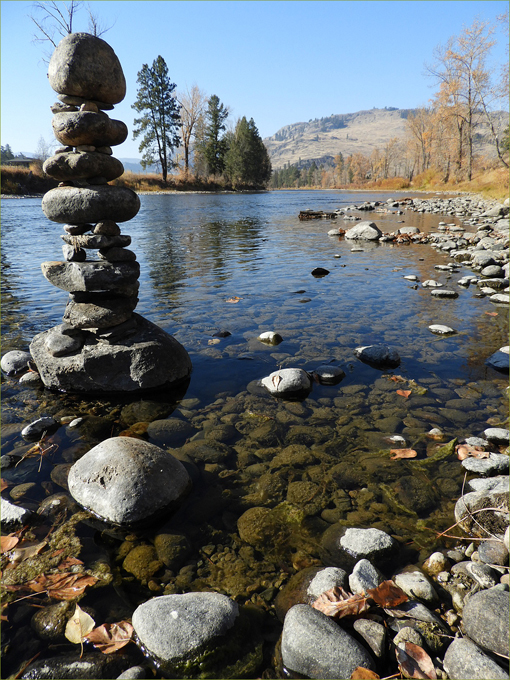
x=366, y=611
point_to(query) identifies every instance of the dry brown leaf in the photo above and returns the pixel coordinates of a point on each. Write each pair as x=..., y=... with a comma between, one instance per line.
x=68, y=563
x=62, y=586
x=337, y=603
x=78, y=626
x=361, y=673
x=276, y=379
x=234, y=299
x=404, y=393
x=397, y=378
x=465, y=451
x=29, y=549
x=111, y=636
x=387, y=594
x=414, y=662
x=402, y=453
x=8, y=542
x=491, y=313
x=4, y=484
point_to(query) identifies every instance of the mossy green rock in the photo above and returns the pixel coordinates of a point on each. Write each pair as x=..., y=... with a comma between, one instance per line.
x=142, y=562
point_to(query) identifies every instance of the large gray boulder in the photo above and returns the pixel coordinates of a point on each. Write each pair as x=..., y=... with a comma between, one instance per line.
x=98, y=310
x=198, y=634
x=486, y=617
x=83, y=65
x=128, y=481
x=147, y=359
x=72, y=166
x=315, y=646
x=466, y=661
x=364, y=231
x=91, y=276
x=80, y=205
x=88, y=128
x=484, y=523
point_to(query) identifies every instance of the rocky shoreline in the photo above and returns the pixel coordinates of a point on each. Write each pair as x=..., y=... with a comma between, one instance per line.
x=455, y=621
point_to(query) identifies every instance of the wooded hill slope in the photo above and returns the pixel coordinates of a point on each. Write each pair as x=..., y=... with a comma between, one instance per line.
x=361, y=132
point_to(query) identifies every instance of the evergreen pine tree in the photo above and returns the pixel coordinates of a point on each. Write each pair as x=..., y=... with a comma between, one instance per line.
x=214, y=145
x=160, y=118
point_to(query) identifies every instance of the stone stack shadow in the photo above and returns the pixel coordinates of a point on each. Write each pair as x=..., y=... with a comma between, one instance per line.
x=101, y=345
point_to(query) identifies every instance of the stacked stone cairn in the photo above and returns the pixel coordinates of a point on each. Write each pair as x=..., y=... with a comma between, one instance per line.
x=102, y=345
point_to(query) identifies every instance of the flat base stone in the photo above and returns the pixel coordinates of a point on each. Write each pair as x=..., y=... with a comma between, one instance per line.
x=147, y=359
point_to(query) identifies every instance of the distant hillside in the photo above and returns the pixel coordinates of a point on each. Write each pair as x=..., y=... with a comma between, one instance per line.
x=348, y=133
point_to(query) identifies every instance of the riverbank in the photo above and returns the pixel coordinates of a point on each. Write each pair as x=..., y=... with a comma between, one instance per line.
x=281, y=487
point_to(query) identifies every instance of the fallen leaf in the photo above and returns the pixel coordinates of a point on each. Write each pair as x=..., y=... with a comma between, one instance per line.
x=397, y=378
x=62, y=586
x=361, y=673
x=111, y=636
x=402, y=453
x=68, y=563
x=464, y=451
x=3, y=485
x=78, y=626
x=234, y=299
x=276, y=379
x=387, y=594
x=414, y=662
x=27, y=550
x=404, y=393
x=8, y=542
x=337, y=603
x=491, y=313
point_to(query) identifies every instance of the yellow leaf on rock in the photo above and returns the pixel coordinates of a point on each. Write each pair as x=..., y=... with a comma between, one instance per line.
x=79, y=625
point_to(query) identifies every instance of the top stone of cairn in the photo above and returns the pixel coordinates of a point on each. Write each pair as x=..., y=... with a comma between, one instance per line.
x=85, y=66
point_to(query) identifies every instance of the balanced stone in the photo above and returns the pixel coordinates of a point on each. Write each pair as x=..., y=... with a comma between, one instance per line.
x=107, y=228
x=76, y=128
x=79, y=205
x=71, y=166
x=90, y=276
x=148, y=359
x=73, y=254
x=98, y=311
x=117, y=255
x=127, y=481
x=85, y=66
x=97, y=241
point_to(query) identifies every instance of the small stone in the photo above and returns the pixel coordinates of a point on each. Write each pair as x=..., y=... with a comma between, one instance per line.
x=416, y=585
x=107, y=228
x=430, y=283
x=436, y=563
x=326, y=579
x=374, y=635
x=60, y=345
x=444, y=293
x=288, y=381
x=319, y=272
x=364, y=577
x=498, y=435
x=408, y=634
x=12, y=516
x=378, y=356
x=15, y=361
x=72, y=254
x=327, y=374
x=117, y=255
x=270, y=338
x=438, y=329
x=499, y=360
x=495, y=464
x=486, y=619
x=38, y=427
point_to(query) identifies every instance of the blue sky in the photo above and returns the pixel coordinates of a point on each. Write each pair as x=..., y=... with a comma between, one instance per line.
x=277, y=62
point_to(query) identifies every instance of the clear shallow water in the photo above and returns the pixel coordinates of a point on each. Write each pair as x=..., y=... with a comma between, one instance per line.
x=198, y=251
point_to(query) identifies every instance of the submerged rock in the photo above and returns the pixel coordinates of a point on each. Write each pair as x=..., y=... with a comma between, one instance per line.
x=128, y=481
x=344, y=547
x=378, y=356
x=315, y=646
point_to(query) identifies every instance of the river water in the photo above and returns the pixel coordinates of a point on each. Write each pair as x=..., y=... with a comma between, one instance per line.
x=242, y=264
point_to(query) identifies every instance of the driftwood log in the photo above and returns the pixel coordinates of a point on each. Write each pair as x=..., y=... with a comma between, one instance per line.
x=317, y=215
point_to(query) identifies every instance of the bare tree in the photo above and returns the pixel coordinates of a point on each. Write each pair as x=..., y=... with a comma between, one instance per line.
x=55, y=19
x=193, y=103
x=465, y=87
